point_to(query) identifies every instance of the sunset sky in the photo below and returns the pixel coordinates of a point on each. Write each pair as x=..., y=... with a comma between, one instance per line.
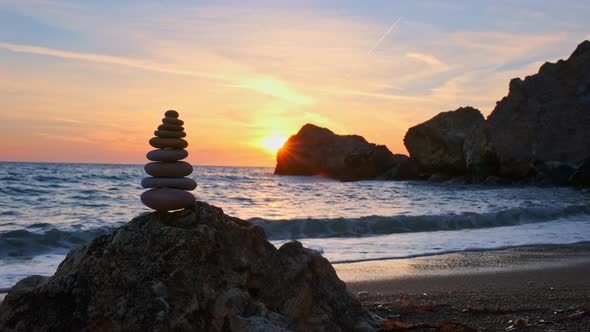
x=85, y=81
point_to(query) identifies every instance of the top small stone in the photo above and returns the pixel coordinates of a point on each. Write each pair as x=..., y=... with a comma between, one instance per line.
x=171, y=114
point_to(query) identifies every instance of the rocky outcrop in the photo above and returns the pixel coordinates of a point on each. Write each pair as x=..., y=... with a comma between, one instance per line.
x=318, y=151
x=193, y=270
x=545, y=117
x=581, y=177
x=403, y=169
x=479, y=152
x=437, y=144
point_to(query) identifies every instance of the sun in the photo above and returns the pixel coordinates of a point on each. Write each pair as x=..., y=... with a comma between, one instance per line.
x=273, y=143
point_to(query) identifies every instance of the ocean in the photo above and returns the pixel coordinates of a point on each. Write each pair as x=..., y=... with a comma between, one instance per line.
x=47, y=208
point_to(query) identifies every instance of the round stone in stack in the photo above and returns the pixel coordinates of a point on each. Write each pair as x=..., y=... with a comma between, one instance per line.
x=169, y=134
x=168, y=169
x=172, y=121
x=167, y=199
x=169, y=127
x=167, y=155
x=168, y=183
x=168, y=143
x=171, y=114
x=179, y=183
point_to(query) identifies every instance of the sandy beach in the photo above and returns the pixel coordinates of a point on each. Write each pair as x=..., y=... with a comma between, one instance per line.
x=534, y=289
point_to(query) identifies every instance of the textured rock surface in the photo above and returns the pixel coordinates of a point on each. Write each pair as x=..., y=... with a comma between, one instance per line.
x=318, y=151
x=437, y=144
x=546, y=117
x=193, y=270
x=479, y=153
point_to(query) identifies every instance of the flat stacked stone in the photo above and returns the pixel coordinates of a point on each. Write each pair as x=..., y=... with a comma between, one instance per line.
x=168, y=183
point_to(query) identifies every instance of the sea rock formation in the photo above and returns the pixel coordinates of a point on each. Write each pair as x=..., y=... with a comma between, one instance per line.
x=169, y=184
x=437, y=144
x=480, y=156
x=403, y=169
x=191, y=270
x=581, y=177
x=318, y=151
x=538, y=133
x=545, y=117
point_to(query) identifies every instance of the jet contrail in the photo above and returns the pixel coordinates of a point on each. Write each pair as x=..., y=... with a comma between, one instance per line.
x=389, y=30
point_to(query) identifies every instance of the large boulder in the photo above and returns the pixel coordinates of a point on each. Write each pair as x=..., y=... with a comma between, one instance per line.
x=437, y=144
x=193, y=270
x=404, y=168
x=318, y=151
x=480, y=156
x=545, y=117
x=581, y=177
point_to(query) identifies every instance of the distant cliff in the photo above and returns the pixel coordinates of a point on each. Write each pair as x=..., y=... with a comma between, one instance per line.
x=318, y=151
x=539, y=133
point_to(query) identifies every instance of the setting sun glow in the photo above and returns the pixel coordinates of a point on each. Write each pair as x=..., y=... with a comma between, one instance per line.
x=273, y=143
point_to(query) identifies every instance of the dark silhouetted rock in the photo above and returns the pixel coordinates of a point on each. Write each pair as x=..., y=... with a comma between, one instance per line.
x=168, y=169
x=403, y=169
x=178, y=183
x=169, y=134
x=172, y=121
x=479, y=153
x=318, y=151
x=545, y=118
x=167, y=199
x=193, y=270
x=171, y=114
x=437, y=144
x=169, y=127
x=581, y=176
x=553, y=174
x=168, y=143
x=167, y=155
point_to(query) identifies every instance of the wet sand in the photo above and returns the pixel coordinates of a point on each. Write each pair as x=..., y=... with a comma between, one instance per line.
x=526, y=289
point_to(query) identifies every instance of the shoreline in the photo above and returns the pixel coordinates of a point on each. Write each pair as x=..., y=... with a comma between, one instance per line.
x=540, y=287
x=535, y=288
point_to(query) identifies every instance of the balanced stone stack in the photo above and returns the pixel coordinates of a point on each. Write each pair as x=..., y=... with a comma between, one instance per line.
x=168, y=183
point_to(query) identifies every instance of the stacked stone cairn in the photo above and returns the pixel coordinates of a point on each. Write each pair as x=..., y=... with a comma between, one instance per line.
x=168, y=183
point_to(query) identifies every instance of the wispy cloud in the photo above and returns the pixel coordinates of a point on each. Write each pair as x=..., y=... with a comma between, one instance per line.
x=107, y=59
x=387, y=33
x=263, y=85
x=428, y=59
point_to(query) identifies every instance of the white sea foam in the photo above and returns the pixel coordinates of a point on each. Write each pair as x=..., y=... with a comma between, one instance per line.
x=45, y=209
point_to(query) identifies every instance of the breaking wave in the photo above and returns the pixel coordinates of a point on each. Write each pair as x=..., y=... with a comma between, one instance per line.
x=379, y=225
